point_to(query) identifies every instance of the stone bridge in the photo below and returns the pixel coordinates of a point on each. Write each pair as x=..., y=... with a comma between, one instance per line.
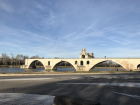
x=85, y=64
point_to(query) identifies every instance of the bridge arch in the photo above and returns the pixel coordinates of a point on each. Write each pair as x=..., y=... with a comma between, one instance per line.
x=138, y=66
x=53, y=67
x=32, y=63
x=108, y=60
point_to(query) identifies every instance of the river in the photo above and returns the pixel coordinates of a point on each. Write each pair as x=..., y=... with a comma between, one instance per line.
x=18, y=70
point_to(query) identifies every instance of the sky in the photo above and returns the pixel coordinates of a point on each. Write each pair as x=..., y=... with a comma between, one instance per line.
x=61, y=28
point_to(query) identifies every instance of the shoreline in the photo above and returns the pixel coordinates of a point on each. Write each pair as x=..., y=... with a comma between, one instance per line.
x=66, y=73
x=13, y=66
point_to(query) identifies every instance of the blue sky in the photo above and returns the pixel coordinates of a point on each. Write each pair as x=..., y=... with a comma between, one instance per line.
x=61, y=28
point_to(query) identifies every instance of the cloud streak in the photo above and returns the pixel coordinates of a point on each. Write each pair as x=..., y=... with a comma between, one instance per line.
x=5, y=6
x=69, y=35
x=63, y=28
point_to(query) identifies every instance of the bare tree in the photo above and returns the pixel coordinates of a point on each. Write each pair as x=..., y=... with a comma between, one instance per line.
x=12, y=58
x=20, y=58
x=5, y=58
x=0, y=60
x=24, y=57
x=17, y=59
x=35, y=57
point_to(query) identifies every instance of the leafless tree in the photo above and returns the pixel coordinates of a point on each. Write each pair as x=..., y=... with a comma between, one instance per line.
x=5, y=58
x=0, y=60
x=35, y=57
x=26, y=57
x=17, y=59
x=12, y=58
x=20, y=58
x=23, y=59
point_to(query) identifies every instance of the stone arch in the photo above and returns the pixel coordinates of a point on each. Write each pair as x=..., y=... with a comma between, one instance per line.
x=138, y=66
x=60, y=62
x=35, y=61
x=109, y=60
x=125, y=67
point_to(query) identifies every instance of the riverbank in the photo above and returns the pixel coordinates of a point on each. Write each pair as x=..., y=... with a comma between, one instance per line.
x=36, y=66
x=17, y=66
x=65, y=67
x=109, y=67
x=57, y=66
x=10, y=66
x=67, y=73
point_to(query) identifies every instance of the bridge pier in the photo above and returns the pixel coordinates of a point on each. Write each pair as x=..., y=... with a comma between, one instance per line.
x=23, y=67
x=81, y=68
x=48, y=68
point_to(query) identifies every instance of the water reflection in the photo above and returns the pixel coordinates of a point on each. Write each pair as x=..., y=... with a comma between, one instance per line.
x=65, y=69
x=18, y=70
x=95, y=69
x=108, y=69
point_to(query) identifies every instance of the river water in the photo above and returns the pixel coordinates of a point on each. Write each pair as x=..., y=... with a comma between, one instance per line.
x=18, y=70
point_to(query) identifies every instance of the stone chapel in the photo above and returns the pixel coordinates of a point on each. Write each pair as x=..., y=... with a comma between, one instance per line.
x=85, y=55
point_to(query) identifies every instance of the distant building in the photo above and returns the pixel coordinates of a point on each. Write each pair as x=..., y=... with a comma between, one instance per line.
x=85, y=55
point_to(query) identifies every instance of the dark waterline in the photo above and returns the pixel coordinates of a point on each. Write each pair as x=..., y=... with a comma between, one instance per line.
x=66, y=69
x=108, y=69
x=18, y=70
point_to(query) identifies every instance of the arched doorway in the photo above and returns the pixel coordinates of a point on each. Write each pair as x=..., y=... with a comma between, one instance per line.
x=107, y=65
x=63, y=66
x=36, y=66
